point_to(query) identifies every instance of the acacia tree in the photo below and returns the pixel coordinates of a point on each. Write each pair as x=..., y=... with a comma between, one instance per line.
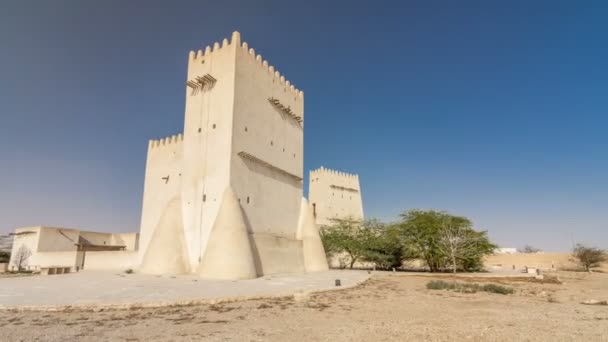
x=589, y=257
x=529, y=249
x=419, y=233
x=383, y=246
x=442, y=240
x=21, y=257
x=345, y=236
x=370, y=241
x=458, y=241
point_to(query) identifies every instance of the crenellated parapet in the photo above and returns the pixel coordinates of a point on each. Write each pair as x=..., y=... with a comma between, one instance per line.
x=265, y=65
x=167, y=141
x=200, y=55
x=335, y=179
x=325, y=171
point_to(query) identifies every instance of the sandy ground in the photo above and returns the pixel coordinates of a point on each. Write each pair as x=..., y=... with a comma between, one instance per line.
x=385, y=308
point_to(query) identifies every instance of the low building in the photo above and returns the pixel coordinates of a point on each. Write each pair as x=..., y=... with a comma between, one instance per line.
x=42, y=247
x=505, y=250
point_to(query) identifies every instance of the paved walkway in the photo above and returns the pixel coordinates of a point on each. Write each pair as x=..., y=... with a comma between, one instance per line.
x=96, y=289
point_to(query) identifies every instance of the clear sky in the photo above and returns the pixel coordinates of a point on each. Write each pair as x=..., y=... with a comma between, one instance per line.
x=496, y=110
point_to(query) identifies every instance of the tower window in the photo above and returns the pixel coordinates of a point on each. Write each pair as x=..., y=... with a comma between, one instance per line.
x=245, y=128
x=248, y=200
x=213, y=126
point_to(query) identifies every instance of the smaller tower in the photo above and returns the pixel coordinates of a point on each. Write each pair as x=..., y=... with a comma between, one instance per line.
x=334, y=195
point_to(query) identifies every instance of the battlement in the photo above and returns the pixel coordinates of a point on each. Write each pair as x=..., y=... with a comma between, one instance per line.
x=174, y=139
x=323, y=170
x=334, y=194
x=200, y=55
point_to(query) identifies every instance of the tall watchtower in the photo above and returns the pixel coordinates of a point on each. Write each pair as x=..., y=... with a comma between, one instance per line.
x=334, y=195
x=238, y=164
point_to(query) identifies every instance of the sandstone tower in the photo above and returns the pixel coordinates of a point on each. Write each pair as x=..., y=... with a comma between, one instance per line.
x=224, y=199
x=334, y=195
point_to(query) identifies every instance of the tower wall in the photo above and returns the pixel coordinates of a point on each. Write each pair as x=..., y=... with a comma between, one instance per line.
x=207, y=142
x=267, y=160
x=162, y=183
x=334, y=195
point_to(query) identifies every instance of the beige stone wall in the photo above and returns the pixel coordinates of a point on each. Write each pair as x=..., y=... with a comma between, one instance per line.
x=207, y=143
x=275, y=254
x=164, y=160
x=267, y=160
x=334, y=195
x=29, y=238
x=57, y=239
x=51, y=259
x=129, y=240
x=111, y=260
x=97, y=238
x=545, y=261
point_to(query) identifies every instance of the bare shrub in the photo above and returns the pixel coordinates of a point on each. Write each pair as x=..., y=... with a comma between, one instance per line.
x=468, y=287
x=21, y=257
x=589, y=257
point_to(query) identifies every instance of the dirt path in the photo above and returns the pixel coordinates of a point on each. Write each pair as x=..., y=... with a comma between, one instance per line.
x=386, y=308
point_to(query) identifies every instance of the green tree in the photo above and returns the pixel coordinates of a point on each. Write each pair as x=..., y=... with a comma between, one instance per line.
x=369, y=241
x=383, y=246
x=442, y=240
x=419, y=233
x=345, y=236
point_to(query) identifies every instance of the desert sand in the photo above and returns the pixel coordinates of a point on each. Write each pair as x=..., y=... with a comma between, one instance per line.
x=388, y=307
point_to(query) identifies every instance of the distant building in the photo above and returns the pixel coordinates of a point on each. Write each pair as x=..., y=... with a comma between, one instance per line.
x=506, y=250
x=334, y=195
x=40, y=247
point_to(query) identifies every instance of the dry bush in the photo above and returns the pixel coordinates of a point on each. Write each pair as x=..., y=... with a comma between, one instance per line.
x=468, y=287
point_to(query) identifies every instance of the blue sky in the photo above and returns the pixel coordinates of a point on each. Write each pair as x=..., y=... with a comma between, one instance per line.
x=492, y=110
